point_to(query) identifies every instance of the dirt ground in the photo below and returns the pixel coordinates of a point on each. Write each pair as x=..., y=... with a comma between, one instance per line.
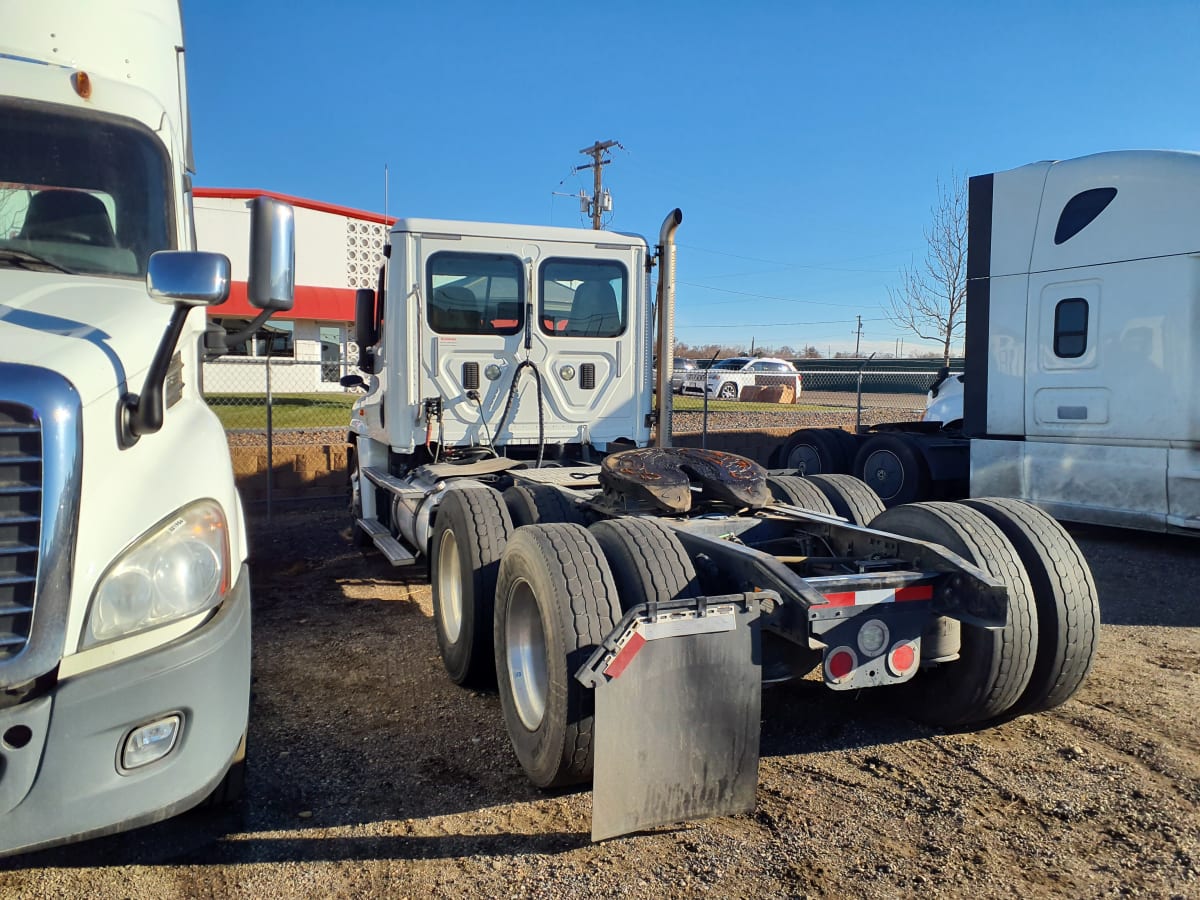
x=372, y=775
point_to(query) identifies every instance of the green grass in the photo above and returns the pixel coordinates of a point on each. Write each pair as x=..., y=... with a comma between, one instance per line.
x=690, y=403
x=287, y=410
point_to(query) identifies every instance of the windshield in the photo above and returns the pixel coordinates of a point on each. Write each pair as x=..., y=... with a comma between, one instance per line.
x=81, y=193
x=730, y=364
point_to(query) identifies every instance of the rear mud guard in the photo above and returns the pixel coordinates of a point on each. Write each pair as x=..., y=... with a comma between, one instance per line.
x=678, y=696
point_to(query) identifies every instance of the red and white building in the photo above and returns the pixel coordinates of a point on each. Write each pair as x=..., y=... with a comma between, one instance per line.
x=337, y=250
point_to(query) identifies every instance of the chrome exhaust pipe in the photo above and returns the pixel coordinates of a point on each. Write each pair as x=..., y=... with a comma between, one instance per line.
x=666, y=325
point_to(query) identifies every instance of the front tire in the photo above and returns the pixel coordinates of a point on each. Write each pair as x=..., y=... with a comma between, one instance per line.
x=994, y=667
x=469, y=536
x=728, y=391
x=555, y=602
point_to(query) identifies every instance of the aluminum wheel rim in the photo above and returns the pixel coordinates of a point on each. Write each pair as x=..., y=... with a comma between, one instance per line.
x=885, y=471
x=730, y=394
x=525, y=652
x=449, y=582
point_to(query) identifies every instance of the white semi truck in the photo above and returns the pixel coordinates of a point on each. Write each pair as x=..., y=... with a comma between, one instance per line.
x=630, y=600
x=1080, y=390
x=124, y=594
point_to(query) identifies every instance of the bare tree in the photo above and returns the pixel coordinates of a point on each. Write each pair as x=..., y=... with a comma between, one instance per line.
x=931, y=299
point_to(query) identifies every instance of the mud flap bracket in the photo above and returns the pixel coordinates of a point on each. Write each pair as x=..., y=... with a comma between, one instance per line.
x=678, y=696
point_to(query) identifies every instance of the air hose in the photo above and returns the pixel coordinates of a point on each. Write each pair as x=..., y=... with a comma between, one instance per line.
x=512, y=392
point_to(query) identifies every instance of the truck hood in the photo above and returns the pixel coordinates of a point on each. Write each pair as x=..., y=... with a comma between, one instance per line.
x=100, y=333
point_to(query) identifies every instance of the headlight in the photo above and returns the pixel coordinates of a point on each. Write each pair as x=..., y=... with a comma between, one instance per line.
x=175, y=570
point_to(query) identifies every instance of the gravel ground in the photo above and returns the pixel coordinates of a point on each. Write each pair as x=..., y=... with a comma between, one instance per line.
x=372, y=775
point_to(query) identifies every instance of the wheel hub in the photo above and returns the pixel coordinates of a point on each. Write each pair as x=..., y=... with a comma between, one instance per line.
x=525, y=653
x=449, y=582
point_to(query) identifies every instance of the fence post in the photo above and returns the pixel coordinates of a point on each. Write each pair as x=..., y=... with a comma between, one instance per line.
x=270, y=442
x=858, y=402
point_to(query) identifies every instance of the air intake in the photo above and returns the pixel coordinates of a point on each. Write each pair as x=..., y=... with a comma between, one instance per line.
x=470, y=376
x=587, y=376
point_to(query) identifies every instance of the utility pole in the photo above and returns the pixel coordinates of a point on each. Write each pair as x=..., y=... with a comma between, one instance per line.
x=858, y=337
x=601, y=199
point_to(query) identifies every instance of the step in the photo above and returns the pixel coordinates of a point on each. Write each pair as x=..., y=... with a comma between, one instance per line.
x=395, y=552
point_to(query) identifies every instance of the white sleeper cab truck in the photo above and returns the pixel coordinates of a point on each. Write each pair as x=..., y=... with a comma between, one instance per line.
x=1083, y=338
x=598, y=580
x=1081, y=389
x=124, y=595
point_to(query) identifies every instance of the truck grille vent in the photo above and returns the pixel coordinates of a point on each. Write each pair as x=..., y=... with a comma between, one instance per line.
x=470, y=376
x=587, y=376
x=20, y=523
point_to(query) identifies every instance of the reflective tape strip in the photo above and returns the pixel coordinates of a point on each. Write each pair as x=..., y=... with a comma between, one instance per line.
x=882, y=595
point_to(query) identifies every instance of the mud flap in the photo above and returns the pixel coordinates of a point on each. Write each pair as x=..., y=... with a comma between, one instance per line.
x=678, y=696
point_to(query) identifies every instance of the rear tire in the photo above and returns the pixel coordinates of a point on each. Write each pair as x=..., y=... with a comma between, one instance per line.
x=1068, y=608
x=535, y=504
x=893, y=468
x=469, y=535
x=994, y=667
x=813, y=451
x=799, y=492
x=647, y=560
x=850, y=497
x=555, y=602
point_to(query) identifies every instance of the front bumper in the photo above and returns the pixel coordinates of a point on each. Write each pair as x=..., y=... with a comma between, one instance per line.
x=59, y=754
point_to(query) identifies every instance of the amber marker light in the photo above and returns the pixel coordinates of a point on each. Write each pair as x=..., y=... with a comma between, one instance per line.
x=82, y=84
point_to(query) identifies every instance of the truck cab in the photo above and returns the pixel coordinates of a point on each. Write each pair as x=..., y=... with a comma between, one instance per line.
x=1081, y=382
x=124, y=595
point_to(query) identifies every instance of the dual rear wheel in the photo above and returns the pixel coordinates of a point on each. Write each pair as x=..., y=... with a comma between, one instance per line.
x=529, y=606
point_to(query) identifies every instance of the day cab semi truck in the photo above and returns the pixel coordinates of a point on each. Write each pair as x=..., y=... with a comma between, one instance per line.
x=124, y=595
x=1081, y=389
x=630, y=599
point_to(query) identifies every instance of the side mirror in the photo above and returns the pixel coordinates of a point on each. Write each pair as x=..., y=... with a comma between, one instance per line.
x=191, y=278
x=351, y=381
x=365, y=333
x=272, y=280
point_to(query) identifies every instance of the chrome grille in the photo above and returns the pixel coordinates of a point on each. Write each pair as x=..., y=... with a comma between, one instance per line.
x=20, y=523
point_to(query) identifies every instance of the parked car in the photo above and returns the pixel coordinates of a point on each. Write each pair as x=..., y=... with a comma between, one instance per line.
x=678, y=373
x=682, y=368
x=726, y=378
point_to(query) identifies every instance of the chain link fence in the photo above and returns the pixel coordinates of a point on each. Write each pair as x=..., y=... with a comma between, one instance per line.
x=863, y=393
x=281, y=402
x=285, y=405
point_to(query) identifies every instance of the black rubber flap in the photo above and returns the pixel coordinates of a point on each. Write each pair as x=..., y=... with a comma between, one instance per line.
x=677, y=728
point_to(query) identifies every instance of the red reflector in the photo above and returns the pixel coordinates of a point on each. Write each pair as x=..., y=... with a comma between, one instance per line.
x=625, y=655
x=903, y=658
x=846, y=599
x=841, y=664
x=916, y=592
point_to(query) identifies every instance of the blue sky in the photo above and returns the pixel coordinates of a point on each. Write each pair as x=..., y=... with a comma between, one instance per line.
x=803, y=141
